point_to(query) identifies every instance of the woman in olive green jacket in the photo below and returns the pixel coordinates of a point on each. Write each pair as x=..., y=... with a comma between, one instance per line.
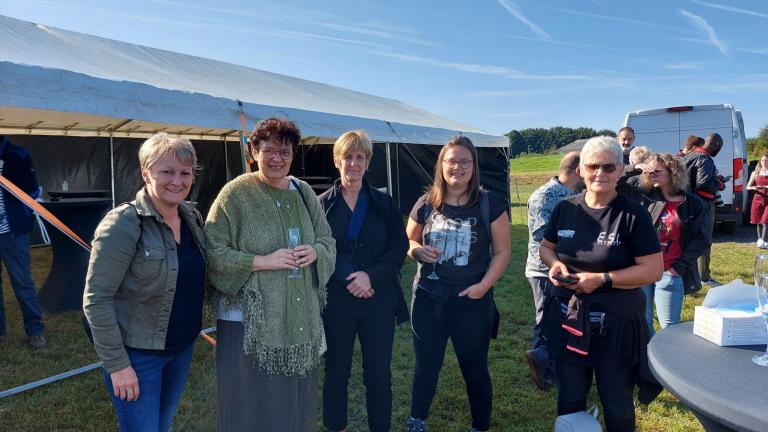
x=145, y=286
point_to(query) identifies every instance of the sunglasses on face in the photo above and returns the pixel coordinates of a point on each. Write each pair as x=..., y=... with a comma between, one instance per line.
x=607, y=168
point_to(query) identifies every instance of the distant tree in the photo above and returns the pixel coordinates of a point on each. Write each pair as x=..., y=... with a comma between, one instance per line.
x=540, y=140
x=756, y=146
x=607, y=132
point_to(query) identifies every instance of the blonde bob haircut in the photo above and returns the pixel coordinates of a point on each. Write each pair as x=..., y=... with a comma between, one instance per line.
x=348, y=142
x=161, y=144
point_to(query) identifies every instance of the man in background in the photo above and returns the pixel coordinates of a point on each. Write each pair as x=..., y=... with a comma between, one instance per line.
x=626, y=139
x=704, y=182
x=540, y=206
x=16, y=222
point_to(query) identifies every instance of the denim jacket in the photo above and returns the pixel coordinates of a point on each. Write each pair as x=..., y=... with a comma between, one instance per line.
x=131, y=279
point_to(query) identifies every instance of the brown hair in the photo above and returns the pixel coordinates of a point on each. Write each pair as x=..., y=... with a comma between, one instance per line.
x=691, y=142
x=674, y=167
x=161, y=144
x=275, y=129
x=436, y=193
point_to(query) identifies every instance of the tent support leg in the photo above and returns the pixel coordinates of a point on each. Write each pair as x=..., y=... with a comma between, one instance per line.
x=389, y=169
x=112, y=167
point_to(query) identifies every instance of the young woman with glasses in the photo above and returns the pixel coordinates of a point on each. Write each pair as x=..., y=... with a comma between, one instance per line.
x=460, y=259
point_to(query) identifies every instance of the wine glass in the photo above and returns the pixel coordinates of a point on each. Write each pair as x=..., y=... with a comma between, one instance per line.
x=436, y=240
x=761, y=283
x=294, y=239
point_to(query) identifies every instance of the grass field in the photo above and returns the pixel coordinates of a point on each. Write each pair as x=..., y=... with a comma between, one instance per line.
x=81, y=403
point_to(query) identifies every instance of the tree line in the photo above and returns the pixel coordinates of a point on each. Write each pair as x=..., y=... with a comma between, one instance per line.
x=540, y=140
x=757, y=146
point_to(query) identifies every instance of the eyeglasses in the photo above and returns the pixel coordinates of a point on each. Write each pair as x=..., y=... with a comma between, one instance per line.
x=359, y=159
x=463, y=164
x=271, y=153
x=607, y=168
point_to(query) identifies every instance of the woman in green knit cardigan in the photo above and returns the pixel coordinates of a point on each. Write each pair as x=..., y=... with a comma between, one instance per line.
x=270, y=296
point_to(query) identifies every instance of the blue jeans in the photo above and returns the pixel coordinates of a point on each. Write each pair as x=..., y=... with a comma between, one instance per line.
x=668, y=295
x=14, y=252
x=161, y=381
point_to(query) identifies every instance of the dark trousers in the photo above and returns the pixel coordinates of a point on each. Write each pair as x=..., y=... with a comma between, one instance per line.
x=14, y=253
x=703, y=260
x=615, y=390
x=539, y=289
x=376, y=336
x=468, y=323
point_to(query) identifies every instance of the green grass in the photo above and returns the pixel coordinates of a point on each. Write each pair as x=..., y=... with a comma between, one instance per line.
x=81, y=403
x=535, y=163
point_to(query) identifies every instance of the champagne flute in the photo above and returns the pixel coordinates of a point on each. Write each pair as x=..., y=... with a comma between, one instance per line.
x=761, y=284
x=294, y=239
x=436, y=240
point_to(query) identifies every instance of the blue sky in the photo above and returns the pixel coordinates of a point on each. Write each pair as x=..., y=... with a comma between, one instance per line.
x=495, y=64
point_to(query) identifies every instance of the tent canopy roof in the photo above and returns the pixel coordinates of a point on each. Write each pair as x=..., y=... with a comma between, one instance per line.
x=83, y=84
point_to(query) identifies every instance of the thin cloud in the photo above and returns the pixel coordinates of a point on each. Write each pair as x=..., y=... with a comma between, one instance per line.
x=645, y=23
x=375, y=32
x=703, y=25
x=304, y=35
x=500, y=71
x=731, y=9
x=761, y=51
x=691, y=65
x=515, y=11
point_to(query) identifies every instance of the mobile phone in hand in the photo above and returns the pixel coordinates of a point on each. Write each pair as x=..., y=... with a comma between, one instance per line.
x=568, y=280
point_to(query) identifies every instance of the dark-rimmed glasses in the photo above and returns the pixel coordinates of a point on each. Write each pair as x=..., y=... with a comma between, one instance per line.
x=607, y=168
x=463, y=164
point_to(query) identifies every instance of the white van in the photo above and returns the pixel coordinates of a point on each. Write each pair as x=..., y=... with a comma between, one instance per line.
x=666, y=130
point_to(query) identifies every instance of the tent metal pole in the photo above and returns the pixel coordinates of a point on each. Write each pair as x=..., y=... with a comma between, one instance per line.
x=112, y=166
x=227, y=168
x=389, y=168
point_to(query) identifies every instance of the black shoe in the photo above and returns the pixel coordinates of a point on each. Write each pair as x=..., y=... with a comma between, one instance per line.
x=37, y=341
x=538, y=371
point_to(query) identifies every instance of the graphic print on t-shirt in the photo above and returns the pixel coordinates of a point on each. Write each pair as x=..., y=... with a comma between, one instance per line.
x=453, y=237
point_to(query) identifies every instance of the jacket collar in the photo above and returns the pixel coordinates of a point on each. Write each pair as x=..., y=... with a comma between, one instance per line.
x=335, y=192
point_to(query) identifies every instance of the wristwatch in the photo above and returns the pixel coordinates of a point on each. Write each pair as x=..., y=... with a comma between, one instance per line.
x=607, y=281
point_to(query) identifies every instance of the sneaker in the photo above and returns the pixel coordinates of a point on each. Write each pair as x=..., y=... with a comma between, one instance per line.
x=37, y=341
x=538, y=371
x=416, y=425
x=760, y=244
x=711, y=283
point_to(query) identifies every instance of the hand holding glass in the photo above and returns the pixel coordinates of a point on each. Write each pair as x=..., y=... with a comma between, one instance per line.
x=437, y=241
x=294, y=239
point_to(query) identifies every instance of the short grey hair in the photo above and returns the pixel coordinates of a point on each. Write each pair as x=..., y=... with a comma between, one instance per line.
x=639, y=155
x=600, y=144
x=160, y=144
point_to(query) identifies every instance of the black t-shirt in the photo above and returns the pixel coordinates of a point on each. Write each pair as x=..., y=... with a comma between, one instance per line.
x=601, y=240
x=460, y=234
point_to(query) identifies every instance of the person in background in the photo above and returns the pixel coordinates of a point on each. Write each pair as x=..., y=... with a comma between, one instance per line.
x=459, y=235
x=681, y=224
x=704, y=182
x=626, y=138
x=271, y=253
x=758, y=182
x=144, y=289
x=601, y=247
x=637, y=156
x=365, y=299
x=690, y=143
x=540, y=206
x=16, y=222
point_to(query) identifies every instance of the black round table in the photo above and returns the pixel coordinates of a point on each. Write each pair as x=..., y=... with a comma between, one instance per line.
x=721, y=385
x=63, y=289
